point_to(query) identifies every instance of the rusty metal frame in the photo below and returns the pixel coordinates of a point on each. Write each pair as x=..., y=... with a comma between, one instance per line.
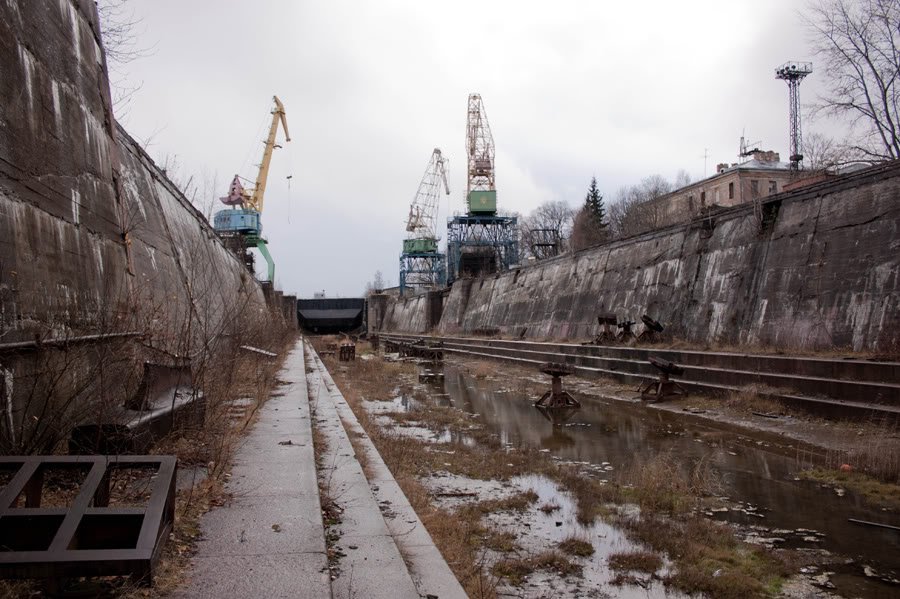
x=88, y=538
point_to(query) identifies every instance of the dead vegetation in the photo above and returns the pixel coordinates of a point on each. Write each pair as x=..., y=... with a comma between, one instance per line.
x=234, y=383
x=647, y=562
x=706, y=557
x=515, y=570
x=576, y=546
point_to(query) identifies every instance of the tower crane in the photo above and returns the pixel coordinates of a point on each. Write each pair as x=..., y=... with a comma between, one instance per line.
x=241, y=226
x=423, y=210
x=421, y=265
x=481, y=195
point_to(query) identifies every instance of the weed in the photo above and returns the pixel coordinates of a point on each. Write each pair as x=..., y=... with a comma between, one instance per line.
x=635, y=561
x=515, y=570
x=577, y=546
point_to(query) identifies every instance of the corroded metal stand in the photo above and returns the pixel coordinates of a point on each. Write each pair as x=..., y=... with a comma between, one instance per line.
x=652, y=329
x=89, y=537
x=663, y=387
x=556, y=397
x=347, y=352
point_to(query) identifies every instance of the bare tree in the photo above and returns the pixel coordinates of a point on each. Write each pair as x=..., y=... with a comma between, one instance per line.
x=545, y=231
x=376, y=285
x=822, y=152
x=586, y=232
x=118, y=27
x=857, y=40
x=635, y=210
x=682, y=179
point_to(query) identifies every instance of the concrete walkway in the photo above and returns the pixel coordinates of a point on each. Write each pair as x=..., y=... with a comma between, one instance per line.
x=389, y=553
x=269, y=541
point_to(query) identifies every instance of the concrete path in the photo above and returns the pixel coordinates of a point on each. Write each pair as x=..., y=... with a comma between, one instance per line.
x=269, y=541
x=389, y=553
x=426, y=566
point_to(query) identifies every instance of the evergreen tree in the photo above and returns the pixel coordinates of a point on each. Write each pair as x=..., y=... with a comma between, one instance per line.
x=593, y=205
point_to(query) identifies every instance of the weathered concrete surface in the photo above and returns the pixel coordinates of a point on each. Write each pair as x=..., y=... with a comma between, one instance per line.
x=373, y=566
x=89, y=226
x=94, y=238
x=430, y=572
x=270, y=540
x=824, y=273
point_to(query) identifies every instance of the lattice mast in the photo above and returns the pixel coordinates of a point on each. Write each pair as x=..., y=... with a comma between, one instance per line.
x=480, y=190
x=793, y=73
x=421, y=223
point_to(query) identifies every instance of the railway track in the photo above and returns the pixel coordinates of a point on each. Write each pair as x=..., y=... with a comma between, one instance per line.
x=855, y=388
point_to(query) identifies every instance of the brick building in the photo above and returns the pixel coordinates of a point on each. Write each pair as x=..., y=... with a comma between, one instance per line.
x=760, y=176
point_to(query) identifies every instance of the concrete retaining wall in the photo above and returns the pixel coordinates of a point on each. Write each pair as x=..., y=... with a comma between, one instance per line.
x=90, y=228
x=93, y=237
x=822, y=271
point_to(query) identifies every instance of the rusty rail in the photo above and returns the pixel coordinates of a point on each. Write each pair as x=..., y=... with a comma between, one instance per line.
x=831, y=386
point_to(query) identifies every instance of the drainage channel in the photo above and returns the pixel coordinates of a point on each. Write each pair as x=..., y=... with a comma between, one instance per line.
x=770, y=503
x=848, y=388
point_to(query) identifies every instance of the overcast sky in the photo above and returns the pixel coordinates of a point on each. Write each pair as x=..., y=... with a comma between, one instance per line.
x=572, y=89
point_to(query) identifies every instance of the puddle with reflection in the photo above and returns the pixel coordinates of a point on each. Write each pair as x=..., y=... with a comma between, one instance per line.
x=555, y=527
x=609, y=435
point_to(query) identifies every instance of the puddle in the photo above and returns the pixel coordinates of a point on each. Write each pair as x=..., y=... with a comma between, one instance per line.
x=758, y=476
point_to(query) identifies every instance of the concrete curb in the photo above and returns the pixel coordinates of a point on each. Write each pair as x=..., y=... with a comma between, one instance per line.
x=426, y=566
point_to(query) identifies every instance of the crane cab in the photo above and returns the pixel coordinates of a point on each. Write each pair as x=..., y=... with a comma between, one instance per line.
x=239, y=221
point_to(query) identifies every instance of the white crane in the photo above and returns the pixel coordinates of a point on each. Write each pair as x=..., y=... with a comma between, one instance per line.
x=421, y=223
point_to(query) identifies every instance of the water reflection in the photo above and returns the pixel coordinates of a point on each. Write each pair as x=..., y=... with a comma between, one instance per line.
x=620, y=434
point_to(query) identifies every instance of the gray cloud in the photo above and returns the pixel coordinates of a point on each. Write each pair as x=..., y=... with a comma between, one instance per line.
x=572, y=89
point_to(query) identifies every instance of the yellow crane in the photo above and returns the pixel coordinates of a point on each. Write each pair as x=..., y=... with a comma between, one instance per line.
x=243, y=224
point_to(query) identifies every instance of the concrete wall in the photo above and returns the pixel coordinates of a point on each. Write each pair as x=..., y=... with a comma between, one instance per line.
x=417, y=314
x=89, y=226
x=93, y=237
x=822, y=273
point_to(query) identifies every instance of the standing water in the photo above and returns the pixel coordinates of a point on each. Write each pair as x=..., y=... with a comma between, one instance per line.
x=757, y=474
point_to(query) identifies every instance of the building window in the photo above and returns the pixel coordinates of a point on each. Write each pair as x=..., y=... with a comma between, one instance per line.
x=716, y=196
x=703, y=198
x=691, y=203
x=731, y=190
x=754, y=188
x=773, y=187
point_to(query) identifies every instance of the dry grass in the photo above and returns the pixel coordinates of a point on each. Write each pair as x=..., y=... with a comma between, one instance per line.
x=878, y=457
x=708, y=559
x=752, y=398
x=697, y=547
x=874, y=465
x=879, y=493
x=636, y=561
x=661, y=485
x=576, y=546
x=515, y=570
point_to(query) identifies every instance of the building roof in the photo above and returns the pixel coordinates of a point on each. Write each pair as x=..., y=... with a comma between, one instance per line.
x=755, y=164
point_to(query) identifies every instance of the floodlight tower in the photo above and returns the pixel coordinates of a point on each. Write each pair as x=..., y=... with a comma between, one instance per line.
x=793, y=72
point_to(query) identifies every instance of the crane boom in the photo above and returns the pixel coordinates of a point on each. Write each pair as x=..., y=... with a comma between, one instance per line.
x=423, y=210
x=255, y=201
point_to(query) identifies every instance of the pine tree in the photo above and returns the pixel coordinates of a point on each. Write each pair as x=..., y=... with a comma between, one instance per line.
x=593, y=205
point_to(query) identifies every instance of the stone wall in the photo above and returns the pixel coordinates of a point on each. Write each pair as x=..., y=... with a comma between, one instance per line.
x=821, y=271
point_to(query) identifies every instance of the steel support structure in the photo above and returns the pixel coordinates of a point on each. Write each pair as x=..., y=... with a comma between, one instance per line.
x=793, y=73
x=479, y=245
x=421, y=271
